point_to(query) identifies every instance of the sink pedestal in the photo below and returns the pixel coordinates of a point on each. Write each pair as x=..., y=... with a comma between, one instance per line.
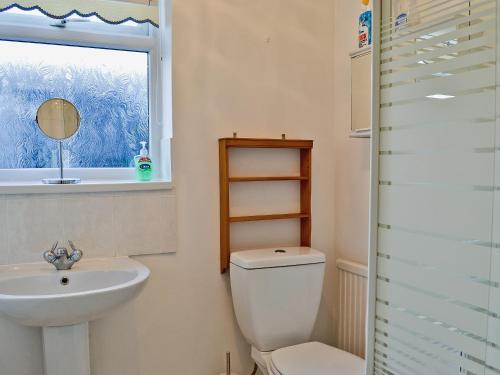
x=66, y=350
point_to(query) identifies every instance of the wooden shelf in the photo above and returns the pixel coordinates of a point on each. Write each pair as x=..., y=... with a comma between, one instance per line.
x=267, y=143
x=237, y=219
x=268, y=178
x=305, y=148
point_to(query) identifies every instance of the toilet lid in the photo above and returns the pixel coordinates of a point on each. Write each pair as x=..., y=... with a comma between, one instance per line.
x=315, y=358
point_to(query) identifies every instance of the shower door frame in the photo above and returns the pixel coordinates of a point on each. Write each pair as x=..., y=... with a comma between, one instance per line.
x=374, y=183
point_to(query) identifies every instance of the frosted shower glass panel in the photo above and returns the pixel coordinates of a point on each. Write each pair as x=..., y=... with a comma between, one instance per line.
x=109, y=88
x=437, y=295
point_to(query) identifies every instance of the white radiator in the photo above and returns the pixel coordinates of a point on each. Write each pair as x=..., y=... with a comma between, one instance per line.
x=353, y=279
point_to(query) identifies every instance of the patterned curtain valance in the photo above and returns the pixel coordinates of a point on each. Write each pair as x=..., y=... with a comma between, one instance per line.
x=110, y=11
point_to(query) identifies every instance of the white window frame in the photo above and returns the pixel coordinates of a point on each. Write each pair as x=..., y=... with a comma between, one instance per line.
x=146, y=39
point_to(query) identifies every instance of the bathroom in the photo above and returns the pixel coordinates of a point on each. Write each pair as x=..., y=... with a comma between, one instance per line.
x=266, y=69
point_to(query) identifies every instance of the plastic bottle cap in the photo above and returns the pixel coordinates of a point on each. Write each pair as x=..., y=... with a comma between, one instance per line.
x=365, y=2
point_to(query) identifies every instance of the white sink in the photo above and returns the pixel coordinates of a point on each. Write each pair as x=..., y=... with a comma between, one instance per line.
x=63, y=302
x=38, y=295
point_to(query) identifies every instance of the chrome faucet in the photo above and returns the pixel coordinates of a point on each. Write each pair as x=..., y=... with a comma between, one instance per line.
x=60, y=258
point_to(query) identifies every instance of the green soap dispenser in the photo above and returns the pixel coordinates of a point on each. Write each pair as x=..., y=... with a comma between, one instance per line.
x=143, y=165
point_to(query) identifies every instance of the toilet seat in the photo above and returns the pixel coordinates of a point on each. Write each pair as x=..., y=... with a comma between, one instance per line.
x=314, y=358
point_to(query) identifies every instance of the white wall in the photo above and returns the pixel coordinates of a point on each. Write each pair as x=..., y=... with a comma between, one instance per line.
x=352, y=155
x=261, y=68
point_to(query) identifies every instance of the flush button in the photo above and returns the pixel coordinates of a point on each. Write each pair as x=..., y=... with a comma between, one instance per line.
x=280, y=251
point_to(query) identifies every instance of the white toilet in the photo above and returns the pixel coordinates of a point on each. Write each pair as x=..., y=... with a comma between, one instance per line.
x=276, y=296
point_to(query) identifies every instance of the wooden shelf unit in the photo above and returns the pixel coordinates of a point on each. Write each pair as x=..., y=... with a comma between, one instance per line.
x=225, y=144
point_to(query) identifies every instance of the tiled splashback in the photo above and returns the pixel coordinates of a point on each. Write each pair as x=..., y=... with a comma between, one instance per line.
x=101, y=224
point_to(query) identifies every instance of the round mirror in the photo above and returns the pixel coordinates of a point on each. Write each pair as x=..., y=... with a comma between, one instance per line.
x=58, y=119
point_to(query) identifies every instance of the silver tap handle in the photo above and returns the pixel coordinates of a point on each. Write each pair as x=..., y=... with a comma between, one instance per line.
x=76, y=254
x=49, y=255
x=72, y=245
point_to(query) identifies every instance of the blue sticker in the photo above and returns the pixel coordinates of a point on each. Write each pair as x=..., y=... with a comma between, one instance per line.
x=365, y=29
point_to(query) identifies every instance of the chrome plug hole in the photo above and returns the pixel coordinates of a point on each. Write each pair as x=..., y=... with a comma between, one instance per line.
x=64, y=280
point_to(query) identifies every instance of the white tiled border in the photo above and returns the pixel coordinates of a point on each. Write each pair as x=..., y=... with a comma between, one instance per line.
x=101, y=224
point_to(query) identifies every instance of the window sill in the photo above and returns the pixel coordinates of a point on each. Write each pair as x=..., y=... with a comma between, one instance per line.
x=88, y=186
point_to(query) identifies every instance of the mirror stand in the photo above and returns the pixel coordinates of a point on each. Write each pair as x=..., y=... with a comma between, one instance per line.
x=61, y=180
x=58, y=119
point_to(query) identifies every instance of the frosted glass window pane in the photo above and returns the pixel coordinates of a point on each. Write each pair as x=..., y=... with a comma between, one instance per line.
x=109, y=88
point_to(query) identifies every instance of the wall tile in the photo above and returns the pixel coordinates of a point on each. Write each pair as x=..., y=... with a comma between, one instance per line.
x=4, y=248
x=101, y=224
x=34, y=224
x=145, y=223
x=88, y=222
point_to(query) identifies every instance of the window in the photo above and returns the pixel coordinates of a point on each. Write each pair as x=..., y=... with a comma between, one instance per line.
x=110, y=72
x=111, y=96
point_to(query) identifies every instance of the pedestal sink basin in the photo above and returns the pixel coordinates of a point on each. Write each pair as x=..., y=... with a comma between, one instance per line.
x=63, y=302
